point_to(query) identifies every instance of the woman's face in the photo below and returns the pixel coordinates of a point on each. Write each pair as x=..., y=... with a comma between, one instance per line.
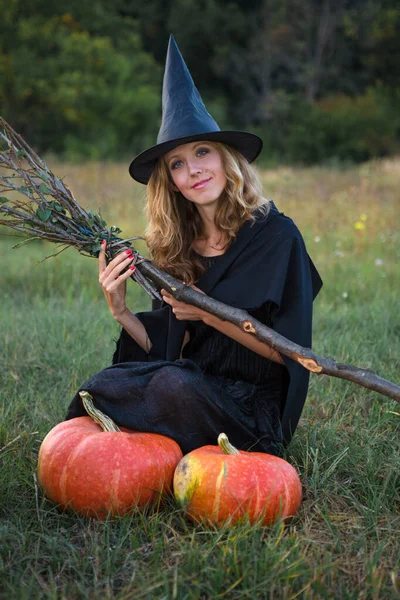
x=197, y=172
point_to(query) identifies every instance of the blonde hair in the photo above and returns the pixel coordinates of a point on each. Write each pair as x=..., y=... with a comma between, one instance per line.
x=174, y=222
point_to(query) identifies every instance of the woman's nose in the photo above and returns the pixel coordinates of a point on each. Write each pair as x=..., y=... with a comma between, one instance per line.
x=194, y=167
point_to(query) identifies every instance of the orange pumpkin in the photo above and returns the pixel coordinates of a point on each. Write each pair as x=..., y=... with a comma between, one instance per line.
x=96, y=469
x=219, y=484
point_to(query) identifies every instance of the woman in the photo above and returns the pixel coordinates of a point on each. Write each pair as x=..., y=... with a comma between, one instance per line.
x=178, y=370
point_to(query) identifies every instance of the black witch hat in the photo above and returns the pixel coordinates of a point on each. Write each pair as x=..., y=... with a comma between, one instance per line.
x=185, y=119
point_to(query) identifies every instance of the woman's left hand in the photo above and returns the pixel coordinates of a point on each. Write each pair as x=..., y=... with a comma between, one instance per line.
x=183, y=311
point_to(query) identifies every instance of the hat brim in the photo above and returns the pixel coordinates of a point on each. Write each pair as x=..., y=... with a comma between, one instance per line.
x=246, y=143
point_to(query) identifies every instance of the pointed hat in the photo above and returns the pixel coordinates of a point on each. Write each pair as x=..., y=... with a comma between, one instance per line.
x=185, y=119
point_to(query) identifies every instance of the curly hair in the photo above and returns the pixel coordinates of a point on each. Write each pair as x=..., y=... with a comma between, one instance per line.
x=174, y=223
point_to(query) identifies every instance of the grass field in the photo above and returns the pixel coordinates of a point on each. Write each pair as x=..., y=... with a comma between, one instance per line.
x=56, y=331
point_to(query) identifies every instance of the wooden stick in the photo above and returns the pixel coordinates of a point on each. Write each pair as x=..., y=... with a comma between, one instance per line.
x=304, y=356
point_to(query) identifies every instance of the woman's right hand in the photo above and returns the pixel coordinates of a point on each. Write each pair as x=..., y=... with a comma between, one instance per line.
x=113, y=280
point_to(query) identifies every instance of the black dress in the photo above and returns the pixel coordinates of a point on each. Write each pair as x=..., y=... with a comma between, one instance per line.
x=217, y=386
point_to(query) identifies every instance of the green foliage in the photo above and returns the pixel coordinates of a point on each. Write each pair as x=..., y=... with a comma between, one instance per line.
x=57, y=331
x=83, y=79
x=349, y=129
x=78, y=92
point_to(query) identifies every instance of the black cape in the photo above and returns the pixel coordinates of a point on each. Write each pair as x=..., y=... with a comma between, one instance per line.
x=267, y=261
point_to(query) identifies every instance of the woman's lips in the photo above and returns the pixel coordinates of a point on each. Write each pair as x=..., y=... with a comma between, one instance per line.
x=201, y=184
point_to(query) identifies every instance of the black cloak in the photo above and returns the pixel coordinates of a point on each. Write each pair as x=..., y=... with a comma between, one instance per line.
x=267, y=261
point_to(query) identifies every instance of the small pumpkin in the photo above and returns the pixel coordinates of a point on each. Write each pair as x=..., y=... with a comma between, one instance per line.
x=220, y=484
x=96, y=469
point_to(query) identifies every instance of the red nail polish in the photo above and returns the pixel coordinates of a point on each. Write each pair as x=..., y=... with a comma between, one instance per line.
x=104, y=243
x=129, y=252
x=133, y=268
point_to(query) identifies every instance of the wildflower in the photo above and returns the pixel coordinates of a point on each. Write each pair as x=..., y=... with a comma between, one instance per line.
x=378, y=262
x=338, y=253
x=345, y=295
x=317, y=239
x=363, y=217
x=359, y=225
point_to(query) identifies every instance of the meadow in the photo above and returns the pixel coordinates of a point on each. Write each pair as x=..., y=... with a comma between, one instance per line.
x=56, y=331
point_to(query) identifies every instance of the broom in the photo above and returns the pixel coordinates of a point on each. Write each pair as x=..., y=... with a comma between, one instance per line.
x=52, y=213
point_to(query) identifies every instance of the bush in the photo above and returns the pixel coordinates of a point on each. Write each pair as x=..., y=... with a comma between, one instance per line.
x=351, y=129
x=78, y=94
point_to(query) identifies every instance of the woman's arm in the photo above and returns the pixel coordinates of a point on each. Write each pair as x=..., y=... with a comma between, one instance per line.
x=135, y=328
x=112, y=278
x=246, y=339
x=184, y=311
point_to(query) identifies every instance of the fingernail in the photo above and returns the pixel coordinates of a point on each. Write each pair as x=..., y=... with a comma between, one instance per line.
x=104, y=243
x=129, y=252
x=133, y=268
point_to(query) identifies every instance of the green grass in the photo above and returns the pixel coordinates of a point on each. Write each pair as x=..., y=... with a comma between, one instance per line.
x=56, y=331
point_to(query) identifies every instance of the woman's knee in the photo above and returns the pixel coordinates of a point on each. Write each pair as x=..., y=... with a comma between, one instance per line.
x=173, y=382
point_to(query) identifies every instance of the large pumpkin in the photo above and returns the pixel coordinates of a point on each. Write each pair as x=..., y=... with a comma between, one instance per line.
x=220, y=484
x=96, y=469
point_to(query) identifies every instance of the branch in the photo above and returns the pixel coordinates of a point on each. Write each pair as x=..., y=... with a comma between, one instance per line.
x=304, y=356
x=53, y=214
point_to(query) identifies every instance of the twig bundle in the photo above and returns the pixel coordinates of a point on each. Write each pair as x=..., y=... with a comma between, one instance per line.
x=51, y=211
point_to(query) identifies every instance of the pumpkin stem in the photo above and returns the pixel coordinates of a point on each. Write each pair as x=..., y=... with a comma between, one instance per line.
x=225, y=445
x=94, y=413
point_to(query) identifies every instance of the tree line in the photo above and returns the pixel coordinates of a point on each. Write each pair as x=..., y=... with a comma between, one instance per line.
x=319, y=80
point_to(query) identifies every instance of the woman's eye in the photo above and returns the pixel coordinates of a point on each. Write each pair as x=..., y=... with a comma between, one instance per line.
x=176, y=164
x=202, y=151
